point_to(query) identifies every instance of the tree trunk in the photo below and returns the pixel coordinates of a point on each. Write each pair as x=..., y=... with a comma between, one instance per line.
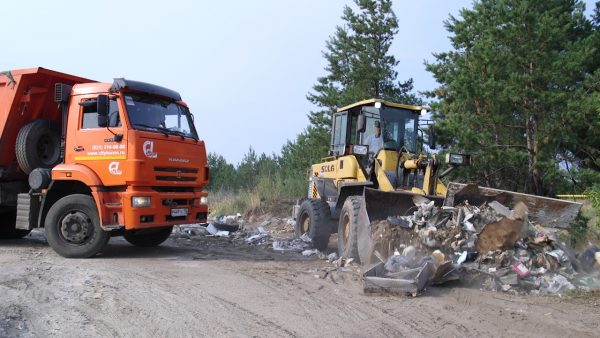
x=534, y=181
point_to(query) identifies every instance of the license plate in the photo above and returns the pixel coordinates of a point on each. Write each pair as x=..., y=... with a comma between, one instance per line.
x=179, y=212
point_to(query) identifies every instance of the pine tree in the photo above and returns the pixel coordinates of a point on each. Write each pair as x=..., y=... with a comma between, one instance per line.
x=359, y=67
x=507, y=85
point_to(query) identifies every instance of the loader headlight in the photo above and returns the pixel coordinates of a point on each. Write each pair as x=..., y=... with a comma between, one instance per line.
x=203, y=200
x=141, y=202
x=359, y=149
x=458, y=159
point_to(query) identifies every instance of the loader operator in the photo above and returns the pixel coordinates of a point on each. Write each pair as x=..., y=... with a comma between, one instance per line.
x=375, y=140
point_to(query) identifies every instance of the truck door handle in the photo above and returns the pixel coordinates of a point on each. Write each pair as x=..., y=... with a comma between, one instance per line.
x=78, y=148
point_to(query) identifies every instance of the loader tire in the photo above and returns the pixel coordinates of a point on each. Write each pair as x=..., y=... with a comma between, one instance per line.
x=149, y=237
x=314, y=218
x=73, y=227
x=38, y=145
x=348, y=228
x=8, y=219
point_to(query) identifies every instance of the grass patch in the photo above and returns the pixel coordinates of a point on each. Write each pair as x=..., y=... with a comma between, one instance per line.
x=271, y=194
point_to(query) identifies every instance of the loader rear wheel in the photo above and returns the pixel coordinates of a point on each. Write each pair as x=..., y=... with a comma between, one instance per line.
x=348, y=228
x=314, y=218
x=38, y=145
x=73, y=227
x=149, y=237
x=8, y=219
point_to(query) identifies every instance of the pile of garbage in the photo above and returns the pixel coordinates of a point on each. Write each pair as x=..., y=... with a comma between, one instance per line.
x=491, y=245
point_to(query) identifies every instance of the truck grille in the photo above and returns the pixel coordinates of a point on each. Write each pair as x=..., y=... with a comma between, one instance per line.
x=175, y=174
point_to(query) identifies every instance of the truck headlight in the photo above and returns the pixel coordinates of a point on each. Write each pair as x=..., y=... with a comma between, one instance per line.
x=458, y=159
x=358, y=149
x=141, y=202
x=203, y=200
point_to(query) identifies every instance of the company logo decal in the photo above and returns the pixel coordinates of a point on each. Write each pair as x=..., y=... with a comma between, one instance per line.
x=148, y=148
x=176, y=159
x=113, y=168
x=327, y=168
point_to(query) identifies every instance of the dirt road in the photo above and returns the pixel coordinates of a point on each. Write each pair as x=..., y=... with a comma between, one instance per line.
x=212, y=287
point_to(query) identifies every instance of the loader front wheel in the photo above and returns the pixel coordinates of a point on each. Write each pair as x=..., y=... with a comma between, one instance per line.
x=148, y=237
x=73, y=227
x=314, y=218
x=348, y=228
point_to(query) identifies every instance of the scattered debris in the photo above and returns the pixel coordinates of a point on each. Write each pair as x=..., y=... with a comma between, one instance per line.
x=258, y=236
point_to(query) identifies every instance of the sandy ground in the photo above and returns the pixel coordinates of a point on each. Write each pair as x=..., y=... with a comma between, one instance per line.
x=214, y=287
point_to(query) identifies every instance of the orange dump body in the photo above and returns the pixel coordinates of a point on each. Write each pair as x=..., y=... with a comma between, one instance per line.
x=171, y=170
x=26, y=95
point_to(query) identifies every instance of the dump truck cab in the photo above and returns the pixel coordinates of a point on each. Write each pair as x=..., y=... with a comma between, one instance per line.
x=138, y=142
x=89, y=160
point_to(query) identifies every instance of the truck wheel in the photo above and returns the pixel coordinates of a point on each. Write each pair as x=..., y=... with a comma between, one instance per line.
x=314, y=218
x=149, y=237
x=8, y=219
x=73, y=227
x=348, y=228
x=38, y=145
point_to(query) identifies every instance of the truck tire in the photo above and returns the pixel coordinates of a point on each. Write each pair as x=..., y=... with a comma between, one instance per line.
x=38, y=145
x=73, y=227
x=149, y=237
x=8, y=219
x=314, y=218
x=348, y=228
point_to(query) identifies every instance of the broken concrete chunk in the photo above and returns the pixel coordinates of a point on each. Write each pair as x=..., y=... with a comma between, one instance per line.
x=212, y=229
x=310, y=252
x=499, y=208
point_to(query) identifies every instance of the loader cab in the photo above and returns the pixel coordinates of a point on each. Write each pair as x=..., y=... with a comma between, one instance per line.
x=353, y=125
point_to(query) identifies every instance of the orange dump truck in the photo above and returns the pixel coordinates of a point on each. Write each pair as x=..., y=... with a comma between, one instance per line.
x=89, y=160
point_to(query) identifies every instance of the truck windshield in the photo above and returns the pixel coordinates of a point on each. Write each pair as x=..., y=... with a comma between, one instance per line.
x=159, y=115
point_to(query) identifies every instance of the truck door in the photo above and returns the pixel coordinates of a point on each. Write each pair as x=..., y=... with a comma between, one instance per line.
x=97, y=148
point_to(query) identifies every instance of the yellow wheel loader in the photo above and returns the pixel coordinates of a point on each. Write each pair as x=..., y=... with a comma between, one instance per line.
x=373, y=172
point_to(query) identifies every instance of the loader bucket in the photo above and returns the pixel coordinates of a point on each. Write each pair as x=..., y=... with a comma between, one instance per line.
x=548, y=212
x=381, y=204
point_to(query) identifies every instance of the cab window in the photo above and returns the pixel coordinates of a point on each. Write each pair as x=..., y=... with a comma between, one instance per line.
x=90, y=116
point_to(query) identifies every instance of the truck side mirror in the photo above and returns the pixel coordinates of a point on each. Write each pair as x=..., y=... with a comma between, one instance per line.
x=432, y=137
x=102, y=110
x=361, y=124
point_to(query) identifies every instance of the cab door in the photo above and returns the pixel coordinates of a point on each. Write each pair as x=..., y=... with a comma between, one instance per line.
x=102, y=149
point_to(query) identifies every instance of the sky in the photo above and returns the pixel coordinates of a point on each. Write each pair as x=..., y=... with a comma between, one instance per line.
x=243, y=67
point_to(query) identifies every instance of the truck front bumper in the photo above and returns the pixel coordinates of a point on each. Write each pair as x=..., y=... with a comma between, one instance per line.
x=163, y=209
